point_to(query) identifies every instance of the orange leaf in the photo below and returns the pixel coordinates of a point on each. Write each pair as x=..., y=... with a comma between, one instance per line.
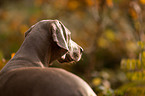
x=12, y=55
x=72, y=5
x=142, y=1
x=109, y=3
x=133, y=14
x=89, y=2
x=23, y=28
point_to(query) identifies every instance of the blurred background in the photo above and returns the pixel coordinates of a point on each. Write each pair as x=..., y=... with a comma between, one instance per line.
x=110, y=31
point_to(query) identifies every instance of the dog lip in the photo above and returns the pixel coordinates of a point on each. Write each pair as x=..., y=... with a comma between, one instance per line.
x=68, y=58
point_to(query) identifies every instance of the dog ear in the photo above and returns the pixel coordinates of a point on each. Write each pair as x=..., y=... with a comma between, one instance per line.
x=59, y=39
x=29, y=30
x=58, y=36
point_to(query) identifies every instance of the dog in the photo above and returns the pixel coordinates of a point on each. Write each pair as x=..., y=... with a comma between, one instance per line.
x=28, y=72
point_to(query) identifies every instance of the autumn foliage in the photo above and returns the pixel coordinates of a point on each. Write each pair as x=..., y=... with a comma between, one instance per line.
x=110, y=31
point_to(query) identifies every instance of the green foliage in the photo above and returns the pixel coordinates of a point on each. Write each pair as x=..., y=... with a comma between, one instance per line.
x=135, y=68
x=136, y=88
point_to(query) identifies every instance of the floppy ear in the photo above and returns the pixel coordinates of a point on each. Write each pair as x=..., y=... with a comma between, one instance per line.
x=29, y=30
x=59, y=45
x=58, y=36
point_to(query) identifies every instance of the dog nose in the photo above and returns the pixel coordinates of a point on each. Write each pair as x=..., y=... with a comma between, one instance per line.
x=81, y=50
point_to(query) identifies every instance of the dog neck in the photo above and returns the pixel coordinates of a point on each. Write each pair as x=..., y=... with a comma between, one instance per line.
x=34, y=52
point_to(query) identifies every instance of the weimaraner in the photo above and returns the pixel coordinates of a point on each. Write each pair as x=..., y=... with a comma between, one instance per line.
x=26, y=74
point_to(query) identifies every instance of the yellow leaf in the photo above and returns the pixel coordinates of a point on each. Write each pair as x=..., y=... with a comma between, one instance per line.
x=138, y=64
x=134, y=76
x=128, y=64
x=129, y=75
x=96, y=81
x=141, y=44
x=102, y=42
x=131, y=46
x=140, y=75
x=133, y=64
x=137, y=25
x=123, y=64
x=143, y=54
x=143, y=75
x=110, y=35
x=12, y=55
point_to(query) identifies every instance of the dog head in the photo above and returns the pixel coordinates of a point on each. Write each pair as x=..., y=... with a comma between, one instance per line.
x=62, y=36
x=63, y=48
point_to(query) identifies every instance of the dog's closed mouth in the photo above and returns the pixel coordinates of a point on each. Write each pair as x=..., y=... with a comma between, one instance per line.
x=67, y=59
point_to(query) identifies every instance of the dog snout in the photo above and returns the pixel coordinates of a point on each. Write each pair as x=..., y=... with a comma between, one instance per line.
x=75, y=55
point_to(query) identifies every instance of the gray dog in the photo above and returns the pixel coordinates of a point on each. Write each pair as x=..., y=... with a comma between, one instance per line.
x=26, y=74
